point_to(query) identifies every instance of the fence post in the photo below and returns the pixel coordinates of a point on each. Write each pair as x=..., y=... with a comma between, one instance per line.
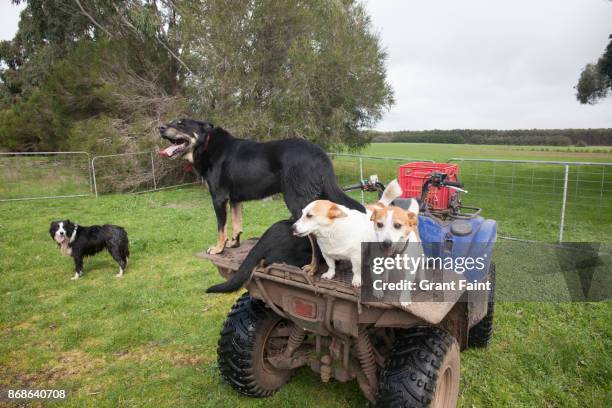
x=93, y=173
x=564, y=202
x=153, y=171
x=361, y=178
x=89, y=172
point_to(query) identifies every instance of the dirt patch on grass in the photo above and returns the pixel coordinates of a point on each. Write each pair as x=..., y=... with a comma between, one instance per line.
x=25, y=325
x=182, y=206
x=91, y=342
x=45, y=344
x=67, y=365
x=145, y=354
x=70, y=364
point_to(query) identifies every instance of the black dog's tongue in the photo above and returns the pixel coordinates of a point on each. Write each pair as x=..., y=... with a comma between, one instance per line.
x=170, y=150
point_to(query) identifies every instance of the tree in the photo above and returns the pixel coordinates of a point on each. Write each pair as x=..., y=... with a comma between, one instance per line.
x=267, y=69
x=596, y=79
x=100, y=64
x=49, y=30
x=261, y=68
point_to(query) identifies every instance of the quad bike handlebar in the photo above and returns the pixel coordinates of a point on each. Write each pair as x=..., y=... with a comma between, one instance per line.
x=436, y=179
x=455, y=184
x=371, y=184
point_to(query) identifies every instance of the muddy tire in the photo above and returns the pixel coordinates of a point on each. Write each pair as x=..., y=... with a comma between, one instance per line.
x=481, y=333
x=422, y=370
x=243, y=347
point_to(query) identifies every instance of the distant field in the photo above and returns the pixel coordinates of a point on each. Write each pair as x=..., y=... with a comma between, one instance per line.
x=443, y=152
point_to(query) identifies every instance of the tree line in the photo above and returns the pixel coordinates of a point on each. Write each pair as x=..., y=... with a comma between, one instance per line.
x=548, y=137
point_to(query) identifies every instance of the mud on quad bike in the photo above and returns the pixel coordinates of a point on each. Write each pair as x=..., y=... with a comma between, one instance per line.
x=399, y=357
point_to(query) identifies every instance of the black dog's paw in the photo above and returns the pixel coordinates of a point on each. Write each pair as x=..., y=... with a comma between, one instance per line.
x=234, y=243
x=215, y=250
x=311, y=269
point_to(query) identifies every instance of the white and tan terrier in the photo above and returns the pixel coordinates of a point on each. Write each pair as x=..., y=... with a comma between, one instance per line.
x=397, y=231
x=339, y=231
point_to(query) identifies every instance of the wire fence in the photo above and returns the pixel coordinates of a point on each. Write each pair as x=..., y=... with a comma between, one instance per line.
x=551, y=201
x=138, y=172
x=561, y=201
x=44, y=175
x=53, y=175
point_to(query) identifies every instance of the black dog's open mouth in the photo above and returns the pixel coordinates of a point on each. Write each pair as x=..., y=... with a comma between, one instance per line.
x=177, y=146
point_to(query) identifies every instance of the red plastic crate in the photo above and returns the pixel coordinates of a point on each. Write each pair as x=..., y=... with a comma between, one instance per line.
x=412, y=176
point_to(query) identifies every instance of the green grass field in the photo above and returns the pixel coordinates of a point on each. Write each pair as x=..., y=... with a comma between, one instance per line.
x=149, y=339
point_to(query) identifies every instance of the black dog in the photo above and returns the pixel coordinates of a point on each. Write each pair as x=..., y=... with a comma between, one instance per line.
x=79, y=241
x=277, y=245
x=238, y=170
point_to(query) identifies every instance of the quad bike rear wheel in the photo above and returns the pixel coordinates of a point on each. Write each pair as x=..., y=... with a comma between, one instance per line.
x=422, y=370
x=251, y=334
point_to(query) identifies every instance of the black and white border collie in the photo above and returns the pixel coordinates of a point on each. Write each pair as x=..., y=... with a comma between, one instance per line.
x=79, y=241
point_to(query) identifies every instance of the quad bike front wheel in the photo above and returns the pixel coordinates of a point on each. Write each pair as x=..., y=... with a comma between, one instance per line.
x=422, y=370
x=251, y=334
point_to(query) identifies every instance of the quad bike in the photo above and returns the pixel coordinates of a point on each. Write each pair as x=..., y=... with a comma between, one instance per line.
x=288, y=319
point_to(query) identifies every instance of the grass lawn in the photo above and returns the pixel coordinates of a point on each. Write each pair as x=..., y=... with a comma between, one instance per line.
x=149, y=339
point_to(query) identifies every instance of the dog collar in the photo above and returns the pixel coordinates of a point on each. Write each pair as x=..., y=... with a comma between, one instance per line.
x=206, y=143
x=208, y=136
x=73, y=236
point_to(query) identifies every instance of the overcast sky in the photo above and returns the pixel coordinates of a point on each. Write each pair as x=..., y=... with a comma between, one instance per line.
x=490, y=63
x=481, y=63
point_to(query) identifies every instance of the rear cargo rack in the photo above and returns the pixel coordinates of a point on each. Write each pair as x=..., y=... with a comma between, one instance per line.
x=340, y=287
